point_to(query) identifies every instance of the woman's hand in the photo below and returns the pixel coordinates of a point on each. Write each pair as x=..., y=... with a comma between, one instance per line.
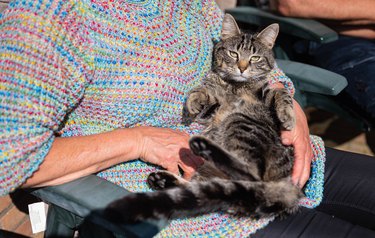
x=167, y=148
x=299, y=138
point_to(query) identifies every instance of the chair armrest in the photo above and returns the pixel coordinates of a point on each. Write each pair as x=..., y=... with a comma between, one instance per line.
x=302, y=28
x=313, y=79
x=88, y=196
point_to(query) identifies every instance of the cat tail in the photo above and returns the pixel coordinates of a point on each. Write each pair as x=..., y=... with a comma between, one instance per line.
x=255, y=199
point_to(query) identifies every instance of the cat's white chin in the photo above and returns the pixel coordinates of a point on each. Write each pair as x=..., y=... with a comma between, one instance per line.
x=239, y=79
x=234, y=78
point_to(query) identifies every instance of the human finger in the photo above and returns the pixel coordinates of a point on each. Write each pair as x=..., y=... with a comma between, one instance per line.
x=299, y=163
x=189, y=162
x=287, y=137
x=307, y=168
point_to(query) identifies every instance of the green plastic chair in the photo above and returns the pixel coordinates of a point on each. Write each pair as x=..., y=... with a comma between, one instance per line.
x=78, y=205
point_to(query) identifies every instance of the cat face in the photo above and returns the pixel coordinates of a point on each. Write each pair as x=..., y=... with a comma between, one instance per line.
x=243, y=57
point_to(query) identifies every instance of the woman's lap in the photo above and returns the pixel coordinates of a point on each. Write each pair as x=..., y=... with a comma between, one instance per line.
x=349, y=187
x=312, y=223
x=347, y=209
x=348, y=206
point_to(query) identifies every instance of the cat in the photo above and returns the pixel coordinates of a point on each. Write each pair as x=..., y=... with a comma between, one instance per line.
x=247, y=169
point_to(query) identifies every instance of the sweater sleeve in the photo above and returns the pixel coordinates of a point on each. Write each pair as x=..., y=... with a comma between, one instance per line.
x=210, y=15
x=42, y=77
x=278, y=76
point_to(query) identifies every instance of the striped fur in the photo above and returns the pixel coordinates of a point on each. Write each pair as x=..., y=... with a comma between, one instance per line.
x=247, y=168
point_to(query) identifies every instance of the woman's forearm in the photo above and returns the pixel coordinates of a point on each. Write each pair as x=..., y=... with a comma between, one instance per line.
x=74, y=157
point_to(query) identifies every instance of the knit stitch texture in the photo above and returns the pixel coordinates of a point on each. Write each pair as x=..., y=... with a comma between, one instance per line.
x=72, y=68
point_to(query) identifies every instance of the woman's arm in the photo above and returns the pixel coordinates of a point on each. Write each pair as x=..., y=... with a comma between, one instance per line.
x=299, y=138
x=347, y=17
x=74, y=157
x=330, y=10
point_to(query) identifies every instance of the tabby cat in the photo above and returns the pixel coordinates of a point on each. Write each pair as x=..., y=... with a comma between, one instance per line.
x=247, y=168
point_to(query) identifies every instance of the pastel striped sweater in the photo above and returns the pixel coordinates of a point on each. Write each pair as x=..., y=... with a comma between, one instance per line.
x=70, y=68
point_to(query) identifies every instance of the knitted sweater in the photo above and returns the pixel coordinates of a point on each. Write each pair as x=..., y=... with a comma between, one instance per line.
x=70, y=68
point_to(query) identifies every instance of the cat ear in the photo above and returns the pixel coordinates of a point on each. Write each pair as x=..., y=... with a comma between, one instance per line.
x=268, y=35
x=230, y=27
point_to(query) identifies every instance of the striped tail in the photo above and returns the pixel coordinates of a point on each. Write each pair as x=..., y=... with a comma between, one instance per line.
x=255, y=199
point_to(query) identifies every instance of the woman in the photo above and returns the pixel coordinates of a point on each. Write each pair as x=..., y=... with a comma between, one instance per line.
x=88, y=85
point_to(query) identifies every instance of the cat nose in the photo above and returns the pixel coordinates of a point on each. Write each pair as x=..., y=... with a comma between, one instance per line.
x=242, y=65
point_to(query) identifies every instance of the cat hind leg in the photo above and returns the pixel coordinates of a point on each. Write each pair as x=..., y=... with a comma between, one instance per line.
x=203, y=147
x=221, y=158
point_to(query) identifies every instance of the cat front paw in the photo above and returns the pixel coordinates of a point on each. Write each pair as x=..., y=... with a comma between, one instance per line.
x=284, y=109
x=196, y=102
x=287, y=117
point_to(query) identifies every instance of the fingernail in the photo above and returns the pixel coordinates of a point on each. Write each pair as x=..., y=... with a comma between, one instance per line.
x=285, y=141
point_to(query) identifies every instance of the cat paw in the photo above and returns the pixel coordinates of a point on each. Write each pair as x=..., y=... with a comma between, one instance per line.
x=196, y=103
x=199, y=146
x=284, y=108
x=286, y=117
x=161, y=180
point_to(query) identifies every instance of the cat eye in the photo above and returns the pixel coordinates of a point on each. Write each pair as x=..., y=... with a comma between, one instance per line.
x=233, y=54
x=255, y=58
